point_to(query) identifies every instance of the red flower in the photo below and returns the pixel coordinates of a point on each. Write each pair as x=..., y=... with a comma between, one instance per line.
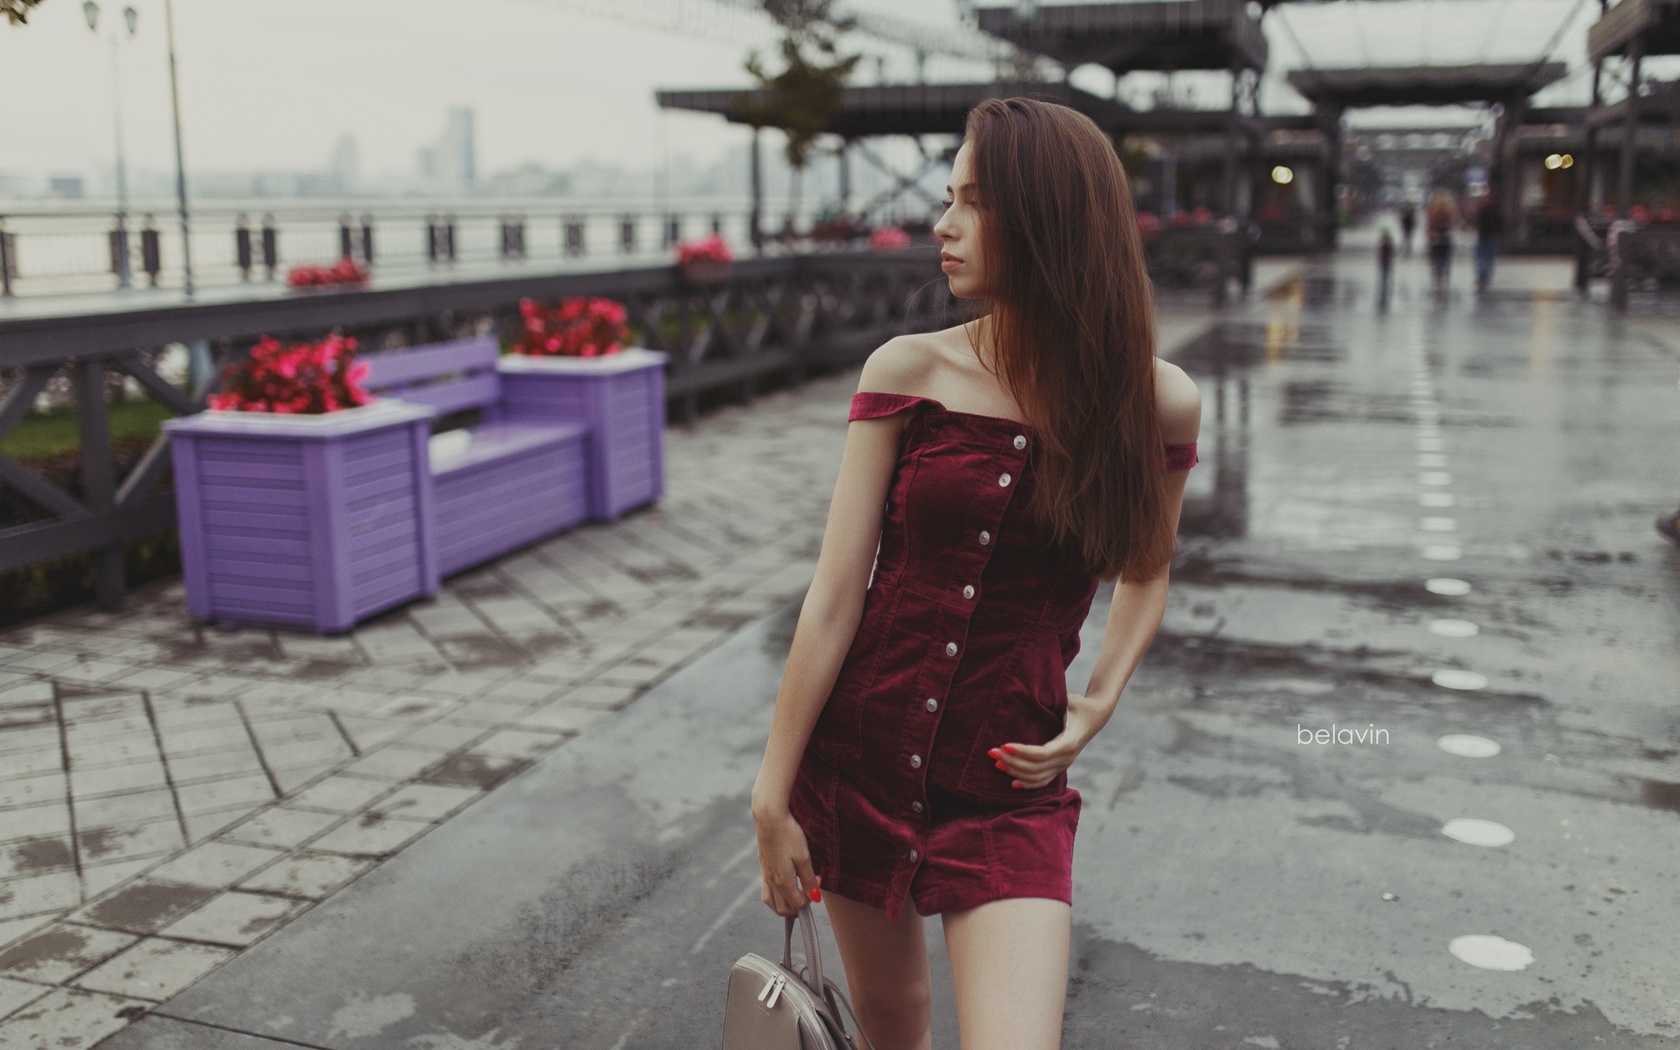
x=577, y=326
x=709, y=249
x=302, y=378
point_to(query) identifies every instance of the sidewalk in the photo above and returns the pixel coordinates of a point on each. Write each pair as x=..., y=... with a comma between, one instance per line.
x=222, y=782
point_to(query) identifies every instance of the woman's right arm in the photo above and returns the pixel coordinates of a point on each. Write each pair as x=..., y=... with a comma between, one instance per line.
x=828, y=621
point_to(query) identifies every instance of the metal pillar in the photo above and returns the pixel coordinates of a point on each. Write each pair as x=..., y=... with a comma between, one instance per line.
x=844, y=157
x=1630, y=131
x=755, y=230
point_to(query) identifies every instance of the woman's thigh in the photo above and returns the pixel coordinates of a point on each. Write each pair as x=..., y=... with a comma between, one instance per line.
x=1009, y=966
x=886, y=967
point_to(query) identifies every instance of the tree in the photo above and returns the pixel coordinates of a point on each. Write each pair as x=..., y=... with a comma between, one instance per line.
x=805, y=96
x=17, y=11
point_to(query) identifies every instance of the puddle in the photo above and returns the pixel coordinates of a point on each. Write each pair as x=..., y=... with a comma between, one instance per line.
x=473, y=769
x=147, y=907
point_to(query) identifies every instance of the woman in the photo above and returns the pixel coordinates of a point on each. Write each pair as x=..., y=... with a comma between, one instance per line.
x=923, y=729
x=1439, y=223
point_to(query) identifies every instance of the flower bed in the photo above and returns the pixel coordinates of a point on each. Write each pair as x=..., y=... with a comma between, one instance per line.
x=706, y=261
x=344, y=272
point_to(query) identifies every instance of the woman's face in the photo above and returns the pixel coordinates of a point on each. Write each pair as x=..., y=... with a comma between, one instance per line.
x=958, y=231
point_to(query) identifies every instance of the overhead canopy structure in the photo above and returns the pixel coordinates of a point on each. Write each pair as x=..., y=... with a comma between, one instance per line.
x=1654, y=25
x=1166, y=35
x=1424, y=85
x=904, y=109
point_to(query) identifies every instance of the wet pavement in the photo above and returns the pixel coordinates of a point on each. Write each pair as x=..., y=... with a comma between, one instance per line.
x=1421, y=534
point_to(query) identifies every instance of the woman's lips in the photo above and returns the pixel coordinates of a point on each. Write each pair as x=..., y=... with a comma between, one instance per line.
x=948, y=264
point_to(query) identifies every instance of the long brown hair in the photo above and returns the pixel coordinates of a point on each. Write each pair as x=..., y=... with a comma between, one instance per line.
x=1073, y=328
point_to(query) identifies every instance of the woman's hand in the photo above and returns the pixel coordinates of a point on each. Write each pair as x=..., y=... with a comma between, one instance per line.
x=1035, y=765
x=784, y=864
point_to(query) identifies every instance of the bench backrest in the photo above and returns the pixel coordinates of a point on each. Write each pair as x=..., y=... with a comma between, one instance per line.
x=451, y=377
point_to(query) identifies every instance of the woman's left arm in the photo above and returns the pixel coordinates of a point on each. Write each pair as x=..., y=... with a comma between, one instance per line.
x=1134, y=616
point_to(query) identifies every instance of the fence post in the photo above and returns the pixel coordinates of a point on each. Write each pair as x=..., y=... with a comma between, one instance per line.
x=8, y=265
x=367, y=238
x=574, y=236
x=346, y=239
x=242, y=247
x=270, y=246
x=151, y=252
x=99, y=486
x=627, y=234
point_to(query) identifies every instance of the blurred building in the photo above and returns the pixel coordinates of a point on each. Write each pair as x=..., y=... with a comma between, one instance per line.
x=451, y=163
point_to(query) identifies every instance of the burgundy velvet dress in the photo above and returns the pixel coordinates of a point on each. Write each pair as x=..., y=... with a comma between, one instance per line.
x=969, y=625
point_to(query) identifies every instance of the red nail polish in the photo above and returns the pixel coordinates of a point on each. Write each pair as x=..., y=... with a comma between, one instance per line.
x=1000, y=765
x=994, y=753
x=1009, y=748
x=816, y=895
x=1014, y=783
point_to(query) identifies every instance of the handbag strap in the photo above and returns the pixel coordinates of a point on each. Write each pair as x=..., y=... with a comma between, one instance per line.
x=835, y=995
x=813, y=953
x=822, y=986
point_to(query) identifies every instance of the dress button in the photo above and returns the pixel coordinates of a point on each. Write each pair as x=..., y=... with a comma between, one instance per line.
x=985, y=537
x=915, y=761
x=1004, y=480
x=932, y=704
x=1020, y=441
x=914, y=856
x=917, y=806
x=968, y=591
x=950, y=648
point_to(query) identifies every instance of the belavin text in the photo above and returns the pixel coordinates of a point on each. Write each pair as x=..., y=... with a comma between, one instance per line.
x=1369, y=735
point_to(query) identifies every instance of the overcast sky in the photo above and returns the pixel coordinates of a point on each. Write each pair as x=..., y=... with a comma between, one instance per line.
x=272, y=84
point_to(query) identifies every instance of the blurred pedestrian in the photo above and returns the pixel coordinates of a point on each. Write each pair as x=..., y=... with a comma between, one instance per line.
x=1438, y=223
x=1385, y=267
x=1669, y=525
x=1490, y=227
x=1408, y=225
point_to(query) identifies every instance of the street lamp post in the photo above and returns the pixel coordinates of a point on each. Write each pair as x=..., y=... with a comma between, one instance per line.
x=180, y=160
x=119, y=236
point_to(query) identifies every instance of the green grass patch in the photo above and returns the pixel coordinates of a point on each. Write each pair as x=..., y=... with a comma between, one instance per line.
x=45, y=434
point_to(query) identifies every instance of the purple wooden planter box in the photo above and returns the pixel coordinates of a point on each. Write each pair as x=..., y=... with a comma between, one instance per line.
x=312, y=521
x=620, y=398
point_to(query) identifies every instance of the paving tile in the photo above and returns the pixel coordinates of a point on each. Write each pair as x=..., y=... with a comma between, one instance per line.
x=156, y=968
x=36, y=856
x=608, y=697
x=44, y=758
x=99, y=878
x=14, y=930
x=282, y=827
x=27, y=822
x=112, y=844
x=15, y=995
x=213, y=795
x=340, y=794
x=69, y=1019
x=445, y=735
x=562, y=716
x=369, y=835
x=115, y=752
x=487, y=712
x=425, y=801
x=90, y=671
x=309, y=875
x=179, y=713
x=33, y=894
x=368, y=733
x=94, y=731
x=32, y=791
x=202, y=738
x=101, y=705
x=203, y=826
x=143, y=906
x=294, y=778
x=25, y=689
x=215, y=864
x=519, y=743
x=61, y=951
x=127, y=808
x=153, y=678
x=307, y=753
x=214, y=765
x=147, y=773
x=234, y=918
x=394, y=762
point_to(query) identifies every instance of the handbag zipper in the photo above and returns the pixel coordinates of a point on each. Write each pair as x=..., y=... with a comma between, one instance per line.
x=772, y=991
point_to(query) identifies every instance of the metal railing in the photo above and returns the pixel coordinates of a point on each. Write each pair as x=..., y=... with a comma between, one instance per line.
x=771, y=317
x=47, y=250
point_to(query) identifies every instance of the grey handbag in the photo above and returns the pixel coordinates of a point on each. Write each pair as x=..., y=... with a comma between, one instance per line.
x=772, y=1006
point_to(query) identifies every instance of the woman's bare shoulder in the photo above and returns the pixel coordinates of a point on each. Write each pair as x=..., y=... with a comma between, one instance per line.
x=1179, y=404
x=901, y=365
